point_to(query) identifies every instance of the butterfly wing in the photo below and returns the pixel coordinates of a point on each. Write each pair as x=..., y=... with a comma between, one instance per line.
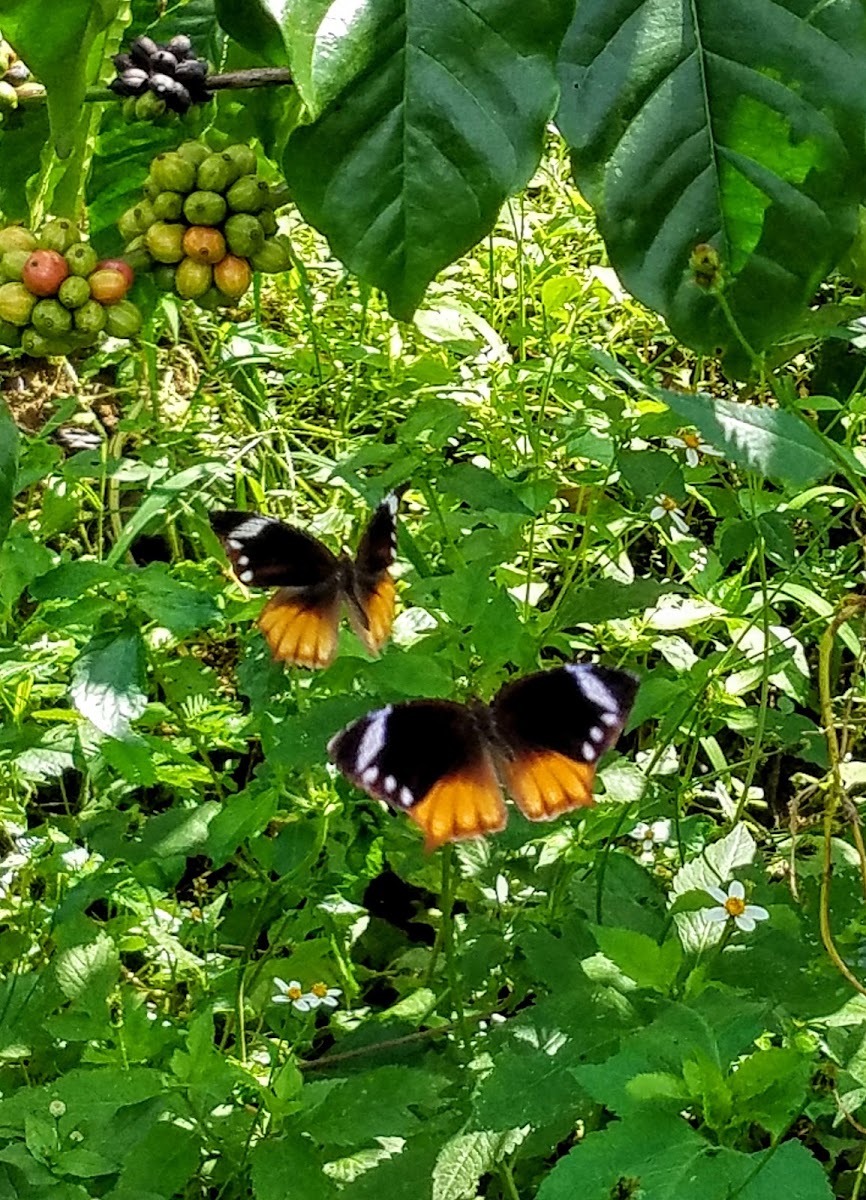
x=429, y=759
x=300, y=622
x=372, y=597
x=554, y=727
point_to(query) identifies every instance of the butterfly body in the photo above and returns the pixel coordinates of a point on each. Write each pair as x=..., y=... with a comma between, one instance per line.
x=301, y=620
x=446, y=764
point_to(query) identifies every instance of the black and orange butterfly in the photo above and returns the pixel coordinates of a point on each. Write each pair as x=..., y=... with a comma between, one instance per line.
x=445, y=764
x=301, y=620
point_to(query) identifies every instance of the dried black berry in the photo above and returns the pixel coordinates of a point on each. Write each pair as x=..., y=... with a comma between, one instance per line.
x=132, y=82
x=175, y=95
x=180, y=46
x=163, y=63
x=143, y=50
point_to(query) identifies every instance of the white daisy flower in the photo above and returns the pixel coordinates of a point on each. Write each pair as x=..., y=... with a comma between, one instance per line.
x=666, y=506
x=292, y=993
x=320, y=993
x=694, y=447
x=650, y=836
x=732, y=906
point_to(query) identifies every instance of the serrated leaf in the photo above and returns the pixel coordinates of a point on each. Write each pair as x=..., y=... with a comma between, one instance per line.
x=607, y=599
x=432, y=115
x=289, y=1158
x=645, y=961
x=87, y=970
x=773, y=443
x=71, y=579
x=383, y=1102
x=667, y=1160
x=480, y=488
x=8, y=468
x=715, y=867
x=107, y=682
x=738, y=124
x=178, y=606
x=770, y=1087
x=467, y=1157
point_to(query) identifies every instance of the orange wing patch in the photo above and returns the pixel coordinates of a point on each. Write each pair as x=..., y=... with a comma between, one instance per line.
x=298, y=634
x=379, y=608
x=464, y=805
x=547, y=783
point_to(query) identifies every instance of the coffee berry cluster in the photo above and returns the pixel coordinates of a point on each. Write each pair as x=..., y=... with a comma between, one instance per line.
x=56, y=296
x=18, y=88
x=155, y=77
x=205, y=224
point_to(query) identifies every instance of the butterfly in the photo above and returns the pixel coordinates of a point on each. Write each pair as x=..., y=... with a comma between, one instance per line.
x=301, y=620
x=445, y=764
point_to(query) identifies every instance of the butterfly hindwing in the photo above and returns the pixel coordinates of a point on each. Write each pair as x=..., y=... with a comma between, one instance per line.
x=300, y=621
x=302, y=628
x=553, y=727
x=373, y=596
x=429, y=759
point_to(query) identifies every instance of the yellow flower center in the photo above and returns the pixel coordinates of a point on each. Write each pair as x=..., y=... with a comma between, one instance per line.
x=668, y=503
x=320, y=990
x=692, y=440
x=294, y=993
x=734, y=906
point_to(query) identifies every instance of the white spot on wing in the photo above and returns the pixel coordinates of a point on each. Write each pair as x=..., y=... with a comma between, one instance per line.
x=232, y=544
x=370, y=775
x=243, y=560
x=373, y=738
x=246, y=577
x=598, y=693
x=588, y=751
x=390, y=502
x=389, y=784
x=406, y=797
x=596, y=734
x=249, y=529
x=608, y=718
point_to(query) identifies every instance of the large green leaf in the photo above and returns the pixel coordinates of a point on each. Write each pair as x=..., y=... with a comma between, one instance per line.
x=56, y=51
x=737, y=124
x=253, y=27
x=8, y=467
x=442, y=118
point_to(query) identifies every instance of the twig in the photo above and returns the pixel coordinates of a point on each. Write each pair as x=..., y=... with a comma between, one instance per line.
x=422, y=1035
x=251, y=77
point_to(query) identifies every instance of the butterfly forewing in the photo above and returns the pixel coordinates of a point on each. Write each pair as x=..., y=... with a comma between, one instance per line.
x=553, y=727
x=373, y=596
x=429, y=759
x=265, y=552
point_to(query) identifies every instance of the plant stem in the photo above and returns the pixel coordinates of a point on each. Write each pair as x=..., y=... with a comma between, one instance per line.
x=448, y=947
x=851, y=606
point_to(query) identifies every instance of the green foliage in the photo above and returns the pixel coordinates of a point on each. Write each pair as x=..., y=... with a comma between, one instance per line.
x=740, y=126
x=439, y=131
x=551, y=1012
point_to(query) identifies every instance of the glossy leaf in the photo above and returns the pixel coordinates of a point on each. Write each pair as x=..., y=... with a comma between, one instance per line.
x=8, y=468
x=737, y=124
x=442, y=119
x=56, y=51
x=253, y=27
